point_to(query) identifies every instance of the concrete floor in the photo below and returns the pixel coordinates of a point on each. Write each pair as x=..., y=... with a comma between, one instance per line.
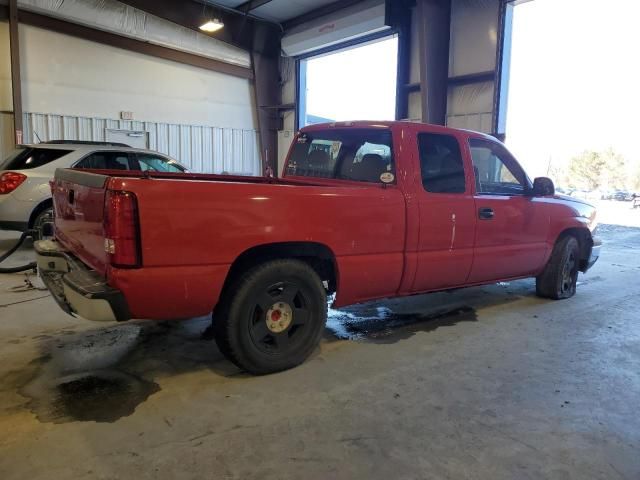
x=484, y=383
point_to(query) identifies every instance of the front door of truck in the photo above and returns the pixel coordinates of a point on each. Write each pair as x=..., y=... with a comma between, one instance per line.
x=512, y=226
x=446, y=213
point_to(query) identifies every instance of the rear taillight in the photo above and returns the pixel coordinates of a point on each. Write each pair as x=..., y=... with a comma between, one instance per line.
x=121, y=240
x=9, y=181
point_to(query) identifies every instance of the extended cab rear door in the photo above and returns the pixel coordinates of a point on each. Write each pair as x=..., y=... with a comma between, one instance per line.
x=447, y=219
x=512, y=226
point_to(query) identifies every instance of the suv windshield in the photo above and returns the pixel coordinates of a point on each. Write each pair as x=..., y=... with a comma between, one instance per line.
x=350, y=154
x=23, y=158
x=157, y=163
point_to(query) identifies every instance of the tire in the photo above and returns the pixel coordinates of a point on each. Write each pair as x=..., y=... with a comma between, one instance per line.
x=560, y=276
x=272, y=318
x=45, y=216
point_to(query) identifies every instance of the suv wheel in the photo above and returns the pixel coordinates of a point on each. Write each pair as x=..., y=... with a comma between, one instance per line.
x=44, y=217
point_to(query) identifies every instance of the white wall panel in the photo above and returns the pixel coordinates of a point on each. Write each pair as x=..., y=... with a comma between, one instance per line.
x=227, y=149
x=76, y=77
x=218, y=150
x=471, y=107
x=201, y=148
x=474, y=36
x=415, y=106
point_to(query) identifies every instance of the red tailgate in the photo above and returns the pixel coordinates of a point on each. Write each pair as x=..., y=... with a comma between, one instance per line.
x=78, y=199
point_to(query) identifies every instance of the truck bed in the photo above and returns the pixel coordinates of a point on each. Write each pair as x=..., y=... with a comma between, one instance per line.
x=193, y=226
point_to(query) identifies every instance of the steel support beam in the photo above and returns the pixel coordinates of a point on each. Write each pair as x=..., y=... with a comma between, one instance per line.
x=251, y=5
x=503, y=67
x=266, y=71
x=16, y=86
x=399, y=17
x=131, y=44
x=434, y=21
x=191, y=14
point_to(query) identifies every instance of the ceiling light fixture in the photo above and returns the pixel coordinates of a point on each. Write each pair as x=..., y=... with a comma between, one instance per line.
x=211, y=26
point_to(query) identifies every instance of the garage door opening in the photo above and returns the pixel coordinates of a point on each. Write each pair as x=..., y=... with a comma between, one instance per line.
x=573, y=103
x=356, y=83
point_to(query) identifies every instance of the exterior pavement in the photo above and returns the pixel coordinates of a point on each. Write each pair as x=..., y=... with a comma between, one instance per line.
x=483, y=383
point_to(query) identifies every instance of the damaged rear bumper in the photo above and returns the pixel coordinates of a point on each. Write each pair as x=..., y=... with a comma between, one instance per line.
x=77, y=289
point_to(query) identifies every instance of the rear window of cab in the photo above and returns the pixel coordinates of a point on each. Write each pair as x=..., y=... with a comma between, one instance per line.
x=363, y=155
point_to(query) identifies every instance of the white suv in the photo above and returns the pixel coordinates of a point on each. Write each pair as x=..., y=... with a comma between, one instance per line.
x=25, y=195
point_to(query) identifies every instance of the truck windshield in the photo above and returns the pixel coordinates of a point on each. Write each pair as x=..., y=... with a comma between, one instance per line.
x=363, y=155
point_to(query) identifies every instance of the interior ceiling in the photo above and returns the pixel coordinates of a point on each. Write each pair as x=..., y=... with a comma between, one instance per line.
x=277, y=10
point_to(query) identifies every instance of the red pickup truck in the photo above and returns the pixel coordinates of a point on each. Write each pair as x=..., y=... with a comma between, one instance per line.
x=365, y=210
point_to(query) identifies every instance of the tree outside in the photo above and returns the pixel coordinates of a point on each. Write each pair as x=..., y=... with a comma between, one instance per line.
x=598, y=170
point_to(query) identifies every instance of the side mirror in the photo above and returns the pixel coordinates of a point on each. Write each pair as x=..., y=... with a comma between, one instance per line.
x=543, y=186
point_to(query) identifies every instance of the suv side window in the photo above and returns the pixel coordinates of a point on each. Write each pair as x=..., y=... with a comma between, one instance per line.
x=106, y=161
x=23, y=158
x=441, y=163
x=496, y=171
x=157, y=163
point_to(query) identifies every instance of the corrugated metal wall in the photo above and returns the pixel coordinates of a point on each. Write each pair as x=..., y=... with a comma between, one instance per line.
x=200, y=148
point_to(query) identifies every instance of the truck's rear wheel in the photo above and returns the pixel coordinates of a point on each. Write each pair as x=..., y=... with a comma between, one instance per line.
x=560, y=276
x=272, y=317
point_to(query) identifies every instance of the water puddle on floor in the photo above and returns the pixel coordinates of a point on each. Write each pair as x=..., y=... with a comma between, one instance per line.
x=100, y=396
x=103, y=375
x=382, y=325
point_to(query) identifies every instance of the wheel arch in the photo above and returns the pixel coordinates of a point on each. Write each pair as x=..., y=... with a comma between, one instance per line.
x=585, y=242
x=317, y=255
x=43, y=205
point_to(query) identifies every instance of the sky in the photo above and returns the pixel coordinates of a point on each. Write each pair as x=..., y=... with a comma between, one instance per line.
x=575, y=80
x=354, y=84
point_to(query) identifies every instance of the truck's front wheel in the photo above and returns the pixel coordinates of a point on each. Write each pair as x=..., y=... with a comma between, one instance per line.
x=559, y=278
x=272, y=317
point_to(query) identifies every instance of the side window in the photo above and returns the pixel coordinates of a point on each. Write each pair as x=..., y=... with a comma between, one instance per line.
x=157, y=163
x=24, y=158
x=368, y=162
x=496, y=171
x=106, y=161
x=441, y=163
x=363, y=155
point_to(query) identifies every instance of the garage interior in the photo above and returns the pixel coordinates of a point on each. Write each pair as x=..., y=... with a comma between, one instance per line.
x=484, y=382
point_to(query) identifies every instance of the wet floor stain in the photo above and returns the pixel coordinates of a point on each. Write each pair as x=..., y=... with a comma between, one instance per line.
x=103, y=375
x=98, y=396
x=386, y=326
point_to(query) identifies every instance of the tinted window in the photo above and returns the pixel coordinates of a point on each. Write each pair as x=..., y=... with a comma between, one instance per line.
x=157, y=163
x=348, y=154
x=496, y=171
x=441, y=163
x=106, y=161
x=23, y=158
